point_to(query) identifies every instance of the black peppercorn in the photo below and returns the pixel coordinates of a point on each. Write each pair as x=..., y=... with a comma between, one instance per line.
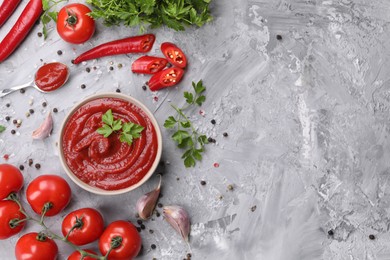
x=330, y=233
x=153, y=246
x=189, y=255
x=118, y=90
x=13, y=131
x=151, y=231
x=138, y=229
x=8, y=105
x=279, y=37
x=372, y=237
x=7, y=118
x=160, y=205
x=44, y=104
x=14, y=121
x=22, y=90
x=144, y=87
x=225, y=134
x=82, y=86
x=88, y=70
x=39, y=34
x=55, y=110
x=59, y=52
x=213, y=121
x=31, y=111
x=202, y=183
x=21, y=167
x=37, y=166
x=111, y=68
x=139, y=222
x=142, y=226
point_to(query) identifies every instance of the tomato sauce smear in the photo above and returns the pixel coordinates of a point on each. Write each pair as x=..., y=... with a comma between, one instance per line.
x=108, y=163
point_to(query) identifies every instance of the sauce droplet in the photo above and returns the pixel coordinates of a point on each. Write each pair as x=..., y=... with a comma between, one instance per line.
x=51, y=76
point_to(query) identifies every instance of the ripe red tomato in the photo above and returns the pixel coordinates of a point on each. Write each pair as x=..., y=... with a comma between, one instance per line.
x=34, y=246
x=130, y=243
x=77, y=256
x=174, y=54
x=90, y=222
x=48, y=189
x=74, y=25
x=9, y=213
x=11, y=180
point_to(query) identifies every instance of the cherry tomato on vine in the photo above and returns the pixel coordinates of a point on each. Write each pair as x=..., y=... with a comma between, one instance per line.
x=83, y=225
x=165, y=78
x=74, y=25
x=11, y=180
x=9, y=216
x=174, y=54
x=123, y=237
x=48, y=191
x=35, y=246
x=77, y=256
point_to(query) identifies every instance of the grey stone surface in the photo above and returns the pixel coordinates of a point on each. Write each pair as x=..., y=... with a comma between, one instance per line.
x=307, y=118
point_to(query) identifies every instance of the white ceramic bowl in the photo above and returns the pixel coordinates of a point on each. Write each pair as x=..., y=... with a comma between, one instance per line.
x=96, y=190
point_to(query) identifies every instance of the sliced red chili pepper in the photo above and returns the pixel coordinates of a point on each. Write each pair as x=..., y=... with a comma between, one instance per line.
x=6, y=9
x=21, y=28
x=174, y=54
x=148, y=65
x=135, y=44
x=166, y=78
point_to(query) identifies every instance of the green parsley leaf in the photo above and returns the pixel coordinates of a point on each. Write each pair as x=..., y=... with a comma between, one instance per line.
x=2, y=128
x=154, y=13
x=186, y=136
x=129, y=130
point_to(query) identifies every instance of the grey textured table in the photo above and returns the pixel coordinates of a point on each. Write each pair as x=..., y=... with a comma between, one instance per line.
x=307, y=117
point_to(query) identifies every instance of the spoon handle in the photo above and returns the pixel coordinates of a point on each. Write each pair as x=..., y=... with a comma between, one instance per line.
x=7, y=91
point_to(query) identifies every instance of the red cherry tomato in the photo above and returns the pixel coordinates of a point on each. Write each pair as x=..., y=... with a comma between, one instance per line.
x=148, y=65
x=174, y=54
x=11, y=180
x=74, y=25
x=127, y=238
x=77, y=256
x=89, y=225
x=9, y=214
x=34, y=246
x=48, y=189
x=166, y=78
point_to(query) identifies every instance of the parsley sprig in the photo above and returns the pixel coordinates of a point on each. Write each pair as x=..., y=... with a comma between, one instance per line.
x=2, y=128
x=48, y=14
x=154, y=13
x=130, y=131
x=186, y=136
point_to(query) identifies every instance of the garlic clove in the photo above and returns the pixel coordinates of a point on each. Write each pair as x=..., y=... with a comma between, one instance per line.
x=44, y=130
x=179, y=220
x=146, y=203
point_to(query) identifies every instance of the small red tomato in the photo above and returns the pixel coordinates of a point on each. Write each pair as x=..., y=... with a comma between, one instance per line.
x=124, y=239
x=34, y=246
x=148, y=65
x=9, y=215
x=77, y=256
x=74, y=25
x=166, y=78
x=11, y=180
x=85, y=226
x=50, y=191
x=174, y=54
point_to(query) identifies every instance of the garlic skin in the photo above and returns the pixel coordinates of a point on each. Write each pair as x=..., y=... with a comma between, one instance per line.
x=44, y=130
x=179, y=220
x=146, y=203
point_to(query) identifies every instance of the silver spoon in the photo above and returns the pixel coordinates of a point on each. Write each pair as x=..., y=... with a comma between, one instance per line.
x=33, y=83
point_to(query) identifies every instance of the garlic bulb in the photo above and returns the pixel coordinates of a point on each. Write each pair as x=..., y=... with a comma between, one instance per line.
x=179, y=220
x=146, y=204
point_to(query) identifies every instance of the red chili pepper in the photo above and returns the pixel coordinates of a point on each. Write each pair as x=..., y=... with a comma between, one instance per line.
x=21, y=28
x=166, y=78
x=6, y=9
x=174, y=54
x=148, y=65
x=134, y=44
